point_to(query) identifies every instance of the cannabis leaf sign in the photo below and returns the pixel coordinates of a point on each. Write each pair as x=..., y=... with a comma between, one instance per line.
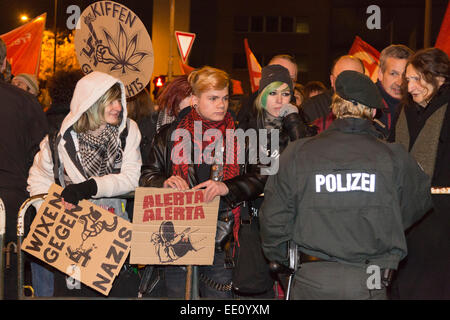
x=122, y=53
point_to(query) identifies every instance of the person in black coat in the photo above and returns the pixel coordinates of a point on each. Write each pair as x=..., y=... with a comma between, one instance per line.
x=234, y=184
x=423, y=127
x=22, y=127
x=273, y=112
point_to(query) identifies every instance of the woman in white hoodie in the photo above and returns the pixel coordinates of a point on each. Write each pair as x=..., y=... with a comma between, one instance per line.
x=97, y=148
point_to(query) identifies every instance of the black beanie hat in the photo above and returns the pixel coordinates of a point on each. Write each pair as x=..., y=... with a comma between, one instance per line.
x=357, y=87
x=272, y=73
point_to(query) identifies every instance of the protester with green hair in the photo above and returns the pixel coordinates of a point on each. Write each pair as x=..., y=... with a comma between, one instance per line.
x=279, y=117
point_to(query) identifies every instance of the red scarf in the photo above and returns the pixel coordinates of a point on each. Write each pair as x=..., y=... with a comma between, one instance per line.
x=230, y=170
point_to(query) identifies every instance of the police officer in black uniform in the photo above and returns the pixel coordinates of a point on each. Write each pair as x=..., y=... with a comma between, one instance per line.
x=344, y=198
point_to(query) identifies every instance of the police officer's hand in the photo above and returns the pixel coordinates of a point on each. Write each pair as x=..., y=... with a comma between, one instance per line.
x=176, y=182
x=212, y=189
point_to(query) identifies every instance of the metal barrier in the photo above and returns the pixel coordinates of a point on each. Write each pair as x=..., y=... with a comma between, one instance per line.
x=2, y=245
x=20, y=234
x=192, y=288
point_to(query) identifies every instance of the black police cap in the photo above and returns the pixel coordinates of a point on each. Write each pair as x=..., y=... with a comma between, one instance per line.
x=357, y=87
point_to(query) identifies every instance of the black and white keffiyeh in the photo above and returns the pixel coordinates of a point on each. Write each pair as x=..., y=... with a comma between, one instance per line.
x=164, y=118
x=100, y=153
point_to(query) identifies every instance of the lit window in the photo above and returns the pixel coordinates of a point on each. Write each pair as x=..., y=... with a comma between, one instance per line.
x=301, y=25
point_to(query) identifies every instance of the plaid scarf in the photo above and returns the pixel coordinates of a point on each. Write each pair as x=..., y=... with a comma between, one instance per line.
x=230, y=150
x=100, y=153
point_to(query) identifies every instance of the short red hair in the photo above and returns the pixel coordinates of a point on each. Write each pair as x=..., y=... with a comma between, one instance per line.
x=173, y=93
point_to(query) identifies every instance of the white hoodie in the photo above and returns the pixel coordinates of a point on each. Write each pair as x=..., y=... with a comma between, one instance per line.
x=87, y=91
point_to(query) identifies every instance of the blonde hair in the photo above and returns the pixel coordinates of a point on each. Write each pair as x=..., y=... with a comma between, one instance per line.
x=208, y=78
x=346, y=109
x=94, y=117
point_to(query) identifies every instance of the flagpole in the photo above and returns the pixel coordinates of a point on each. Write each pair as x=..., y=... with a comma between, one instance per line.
x=171, y=35
x=54, y=32
x=36, y=72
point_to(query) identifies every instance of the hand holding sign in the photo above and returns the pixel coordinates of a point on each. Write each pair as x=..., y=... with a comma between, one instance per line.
x=176, y=182
x=212, y=189
x=93, y=239
x=173, y=227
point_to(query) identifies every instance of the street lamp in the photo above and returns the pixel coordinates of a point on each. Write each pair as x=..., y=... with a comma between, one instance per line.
x=24, y=18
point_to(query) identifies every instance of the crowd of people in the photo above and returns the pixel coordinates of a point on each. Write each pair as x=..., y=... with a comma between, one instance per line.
x=348, y=186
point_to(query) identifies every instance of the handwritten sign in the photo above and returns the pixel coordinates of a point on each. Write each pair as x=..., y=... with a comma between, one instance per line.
x=113, y=39
x=87, y=238
x=173, y=227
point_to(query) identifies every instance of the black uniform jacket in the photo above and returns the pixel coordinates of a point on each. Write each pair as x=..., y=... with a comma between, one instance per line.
x=344, y=196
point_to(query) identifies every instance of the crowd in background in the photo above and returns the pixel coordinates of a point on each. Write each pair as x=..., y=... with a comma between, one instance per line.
x=103, y=145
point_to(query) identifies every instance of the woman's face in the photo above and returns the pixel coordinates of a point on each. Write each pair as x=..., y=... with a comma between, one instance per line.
x=419, y=89
x=276, y=99
x=212, y=105
x=112, y=112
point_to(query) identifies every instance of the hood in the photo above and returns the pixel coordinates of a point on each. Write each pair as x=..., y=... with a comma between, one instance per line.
x=87, y=91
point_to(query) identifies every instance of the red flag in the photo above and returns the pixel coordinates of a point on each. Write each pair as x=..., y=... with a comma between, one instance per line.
x=254, y=68
x=237, y=87
x=443, y=39
x=185, y=69
x=236, y=84
x=23, y=46
x=369, y=56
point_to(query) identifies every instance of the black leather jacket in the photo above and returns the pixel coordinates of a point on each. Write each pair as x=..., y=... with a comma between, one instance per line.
x=158, y=168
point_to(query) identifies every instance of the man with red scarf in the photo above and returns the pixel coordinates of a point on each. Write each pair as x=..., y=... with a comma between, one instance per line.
x=179, y=162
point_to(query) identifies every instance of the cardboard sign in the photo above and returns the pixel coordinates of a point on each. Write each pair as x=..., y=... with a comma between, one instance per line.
x=88, y=243
x=173, y=227
x=112, y=39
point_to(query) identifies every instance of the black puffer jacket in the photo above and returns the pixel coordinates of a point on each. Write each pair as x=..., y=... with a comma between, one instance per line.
x=158, y=168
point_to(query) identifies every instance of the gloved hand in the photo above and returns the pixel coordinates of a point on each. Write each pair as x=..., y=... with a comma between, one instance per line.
x=288, y=109
x=79, y=191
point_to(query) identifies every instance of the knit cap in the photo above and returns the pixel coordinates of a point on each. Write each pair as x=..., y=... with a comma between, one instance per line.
x=272, y=73
x=30, y=80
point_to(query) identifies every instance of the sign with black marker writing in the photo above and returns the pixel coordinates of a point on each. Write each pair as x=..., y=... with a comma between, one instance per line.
x=112, y=39
x=173, y=227
x=88, y=238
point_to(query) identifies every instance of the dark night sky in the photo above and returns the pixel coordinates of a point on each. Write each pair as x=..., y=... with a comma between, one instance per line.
x=10, y=11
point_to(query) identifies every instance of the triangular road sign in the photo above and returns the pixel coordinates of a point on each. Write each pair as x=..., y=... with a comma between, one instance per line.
x=185, y=41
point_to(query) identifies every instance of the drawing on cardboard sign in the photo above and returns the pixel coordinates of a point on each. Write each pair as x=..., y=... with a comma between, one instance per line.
x=169, y=245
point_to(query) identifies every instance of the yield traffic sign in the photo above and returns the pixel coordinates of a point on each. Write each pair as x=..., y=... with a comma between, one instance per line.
x=185, y=41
